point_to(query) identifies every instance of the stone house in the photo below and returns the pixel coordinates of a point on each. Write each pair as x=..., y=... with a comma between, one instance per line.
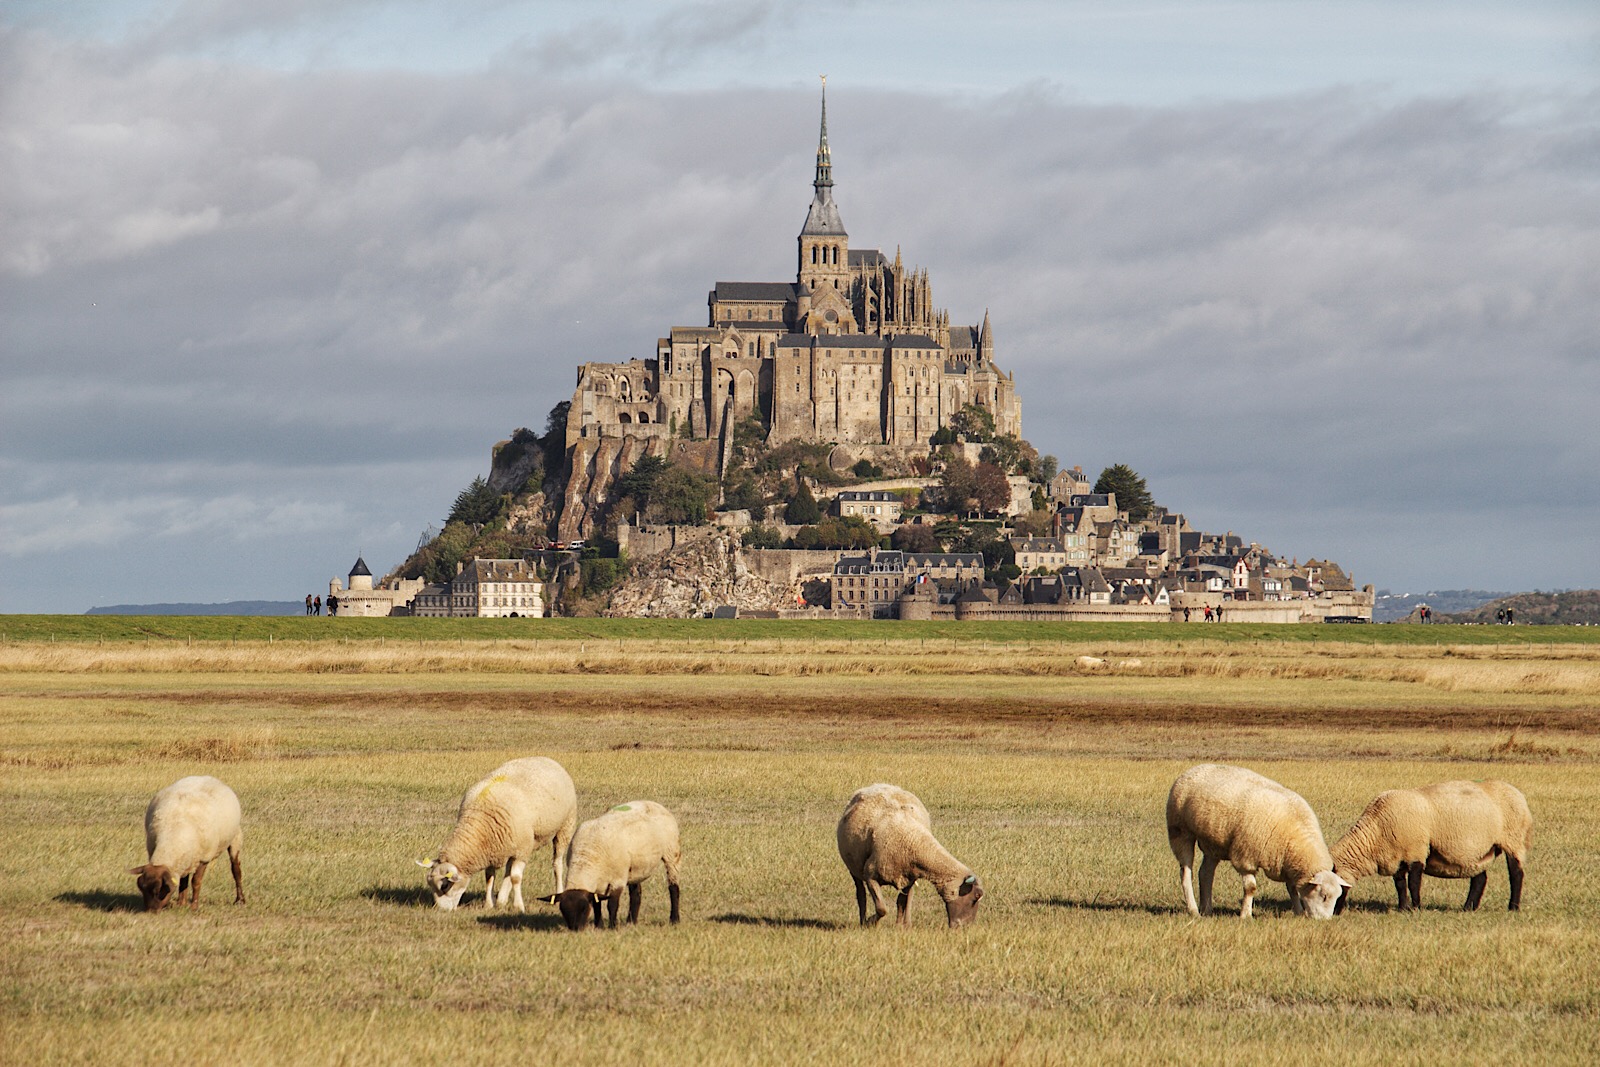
x=1034, y=553
x=878, y=506
x=485, y=589
x=363, y=599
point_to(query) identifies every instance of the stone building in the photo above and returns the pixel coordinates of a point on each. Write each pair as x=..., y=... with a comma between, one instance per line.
x=485, y=589
x=364, y=599
x=854, y=351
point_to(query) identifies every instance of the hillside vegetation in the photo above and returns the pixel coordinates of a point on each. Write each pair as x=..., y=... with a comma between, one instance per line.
x=1574, y=608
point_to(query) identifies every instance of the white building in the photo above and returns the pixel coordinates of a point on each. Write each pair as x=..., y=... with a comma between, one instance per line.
x=485, y=589
x=364, y=600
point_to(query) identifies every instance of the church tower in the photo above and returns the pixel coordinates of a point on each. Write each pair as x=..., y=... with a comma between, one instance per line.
x=824, y=246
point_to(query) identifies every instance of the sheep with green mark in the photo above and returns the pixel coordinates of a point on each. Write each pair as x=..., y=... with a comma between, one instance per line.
x=618, y=850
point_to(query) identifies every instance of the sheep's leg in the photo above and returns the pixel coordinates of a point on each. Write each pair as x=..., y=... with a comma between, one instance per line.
x=672, y=895
x=635, y=899
x=1248, y=909
x=1414, y=883
x=558, y=851
x=878, y=907
x=1514, y=870
x=671, y=865
x=194, y=885
x=1296, y=905
x=597, y=913
x=902, y=903
x=488, y=886
x=238, y=876
x=513, y=878
x=1475, y=891
x=1400, y=889
x=1183, y=849
x=183, y=888
x=613, y=902
x=861, y=900
x=1208, y=877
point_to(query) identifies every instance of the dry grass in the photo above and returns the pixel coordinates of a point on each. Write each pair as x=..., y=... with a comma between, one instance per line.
x=1050, y=783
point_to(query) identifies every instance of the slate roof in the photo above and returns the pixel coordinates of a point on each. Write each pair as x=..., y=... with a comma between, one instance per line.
x=360, y=568
x=772, y=291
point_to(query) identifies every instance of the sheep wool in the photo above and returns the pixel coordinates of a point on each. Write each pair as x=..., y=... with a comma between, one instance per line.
x=886, y=839
x=618, y=850
x=187, y=825
x=1447, y=830
x=1255, y=824
x=502, y=822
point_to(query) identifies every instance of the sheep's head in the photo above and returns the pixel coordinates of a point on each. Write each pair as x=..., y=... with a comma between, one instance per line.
x=961, y=907
x=1322, y=894
x=156, y=884
x=577, y=905
x=446, y=882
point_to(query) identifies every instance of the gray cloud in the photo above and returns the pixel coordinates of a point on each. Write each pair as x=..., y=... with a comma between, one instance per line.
x=256, y=321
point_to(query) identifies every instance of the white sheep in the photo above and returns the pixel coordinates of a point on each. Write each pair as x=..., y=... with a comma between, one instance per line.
x=617, y=849
x=504, y=819
x=1448, y=830
x=885, y=839
x=1255, y=824
x=187, y=825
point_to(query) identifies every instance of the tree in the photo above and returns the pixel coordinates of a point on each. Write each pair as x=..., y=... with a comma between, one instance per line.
x=802, y=509
x=1046, y=469
x=640, y=482
x=958, y=483
x=914, y=537
x=681, y=497
x=477, y=504
x=974, y=423
x=991, y=489
x=1133, y=496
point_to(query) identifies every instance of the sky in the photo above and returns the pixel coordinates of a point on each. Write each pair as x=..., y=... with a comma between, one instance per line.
x=276, y=275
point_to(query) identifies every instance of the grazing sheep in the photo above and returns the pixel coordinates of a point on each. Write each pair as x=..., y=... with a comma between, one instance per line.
x=617, y=849
x=187, y=825
x=1255, y=824
x=504, y=819
x=1089, y=663
x=1448, y=830
x=885, y=839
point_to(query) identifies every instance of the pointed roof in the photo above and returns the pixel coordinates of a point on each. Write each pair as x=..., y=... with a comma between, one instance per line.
x=823, y=218
x=360, y=568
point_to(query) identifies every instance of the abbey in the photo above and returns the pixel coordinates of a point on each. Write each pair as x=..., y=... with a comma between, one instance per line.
x=853, y=351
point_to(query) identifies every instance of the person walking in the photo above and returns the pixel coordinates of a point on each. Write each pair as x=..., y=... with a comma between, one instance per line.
x=308, y=603
x=316, y=605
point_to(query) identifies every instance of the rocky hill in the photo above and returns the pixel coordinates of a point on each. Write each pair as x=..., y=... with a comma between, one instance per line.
x=693, y=579
x=1578, y=607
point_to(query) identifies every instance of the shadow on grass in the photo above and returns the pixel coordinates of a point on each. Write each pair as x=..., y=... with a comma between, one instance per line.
x=1118, y=906
x=532, y=921
x=410, y=896
x=104, y=900
x=737, y=919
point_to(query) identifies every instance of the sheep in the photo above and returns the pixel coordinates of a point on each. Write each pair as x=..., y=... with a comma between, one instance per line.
x=503, y=820
x=885, y=839
x=1448, y=830
x=1089, y=663
x=187, y=825
x=1255, y=824
x=619, y=848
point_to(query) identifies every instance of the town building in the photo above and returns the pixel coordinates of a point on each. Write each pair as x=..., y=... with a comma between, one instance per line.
x=485, y=589
x=362, y=598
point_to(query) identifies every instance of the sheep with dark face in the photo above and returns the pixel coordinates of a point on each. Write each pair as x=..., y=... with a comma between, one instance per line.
x=1447, y=830
x=187, y=825
x=885, y=839
x=619, y=849
x=1257, y=825
x=502, y=822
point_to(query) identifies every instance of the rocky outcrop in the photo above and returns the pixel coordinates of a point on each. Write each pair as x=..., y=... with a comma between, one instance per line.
x=692, y=579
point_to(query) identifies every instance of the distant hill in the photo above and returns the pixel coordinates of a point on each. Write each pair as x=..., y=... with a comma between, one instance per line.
x=1392, y=607
x=232, y=607
x=1575, y=607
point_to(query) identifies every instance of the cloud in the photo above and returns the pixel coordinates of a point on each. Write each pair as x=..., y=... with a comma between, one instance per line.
x=254, y=293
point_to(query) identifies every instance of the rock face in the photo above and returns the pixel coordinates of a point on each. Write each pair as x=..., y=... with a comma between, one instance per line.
x=691, y=580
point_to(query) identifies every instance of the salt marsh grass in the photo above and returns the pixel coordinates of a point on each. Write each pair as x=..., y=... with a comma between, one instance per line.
x=1047, y=779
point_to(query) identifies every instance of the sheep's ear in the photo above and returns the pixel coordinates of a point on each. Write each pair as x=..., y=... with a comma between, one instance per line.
x=424, y=863
x=595, y=898
x=551, y=899
x=1342, y=882
x=135, y=870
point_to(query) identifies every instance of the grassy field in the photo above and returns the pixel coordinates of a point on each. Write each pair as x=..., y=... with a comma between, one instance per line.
x=349, y=756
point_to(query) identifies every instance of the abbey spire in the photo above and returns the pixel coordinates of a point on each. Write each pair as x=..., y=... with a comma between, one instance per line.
x=824, y=245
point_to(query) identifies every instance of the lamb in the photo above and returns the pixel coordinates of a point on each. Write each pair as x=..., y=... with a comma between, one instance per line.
x=619, y=848
x=1255, y=824
x=187, y=825
x=504, y=819
x=1448, y=830
x=885, y=839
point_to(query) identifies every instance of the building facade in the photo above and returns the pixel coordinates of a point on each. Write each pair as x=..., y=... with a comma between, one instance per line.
x=485, y=589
